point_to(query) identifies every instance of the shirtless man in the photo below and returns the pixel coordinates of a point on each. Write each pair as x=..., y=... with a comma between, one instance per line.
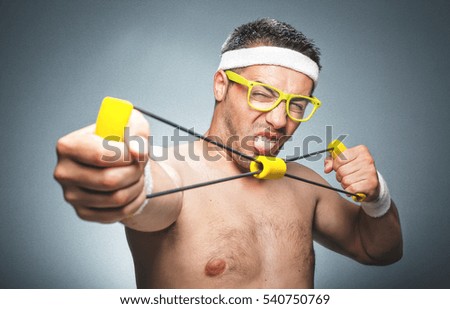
x=246, y=233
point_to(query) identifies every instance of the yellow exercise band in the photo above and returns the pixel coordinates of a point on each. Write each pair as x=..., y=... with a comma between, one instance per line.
x=112, y=119
x=338, y=149
x=272, y=167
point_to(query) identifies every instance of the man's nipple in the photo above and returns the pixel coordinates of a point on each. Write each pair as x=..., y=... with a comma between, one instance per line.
x=215, y=267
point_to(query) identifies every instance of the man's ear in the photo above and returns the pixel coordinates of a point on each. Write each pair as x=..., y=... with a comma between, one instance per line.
x=220, y=85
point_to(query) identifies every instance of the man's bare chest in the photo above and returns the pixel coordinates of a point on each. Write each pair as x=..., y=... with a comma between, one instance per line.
x=232, y=235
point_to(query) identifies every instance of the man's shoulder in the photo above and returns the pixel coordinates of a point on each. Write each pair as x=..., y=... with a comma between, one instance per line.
x=181, y=152
x=180, y=158
x=301, y=170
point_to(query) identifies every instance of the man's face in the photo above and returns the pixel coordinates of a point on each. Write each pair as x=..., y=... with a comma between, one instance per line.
x=261, y=133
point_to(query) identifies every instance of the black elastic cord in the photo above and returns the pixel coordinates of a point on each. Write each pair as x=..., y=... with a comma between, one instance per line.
x=319, y=184
x=192, y=132
x=308, y=155
x=207, y=183
x=313, y=182
x=202, y=184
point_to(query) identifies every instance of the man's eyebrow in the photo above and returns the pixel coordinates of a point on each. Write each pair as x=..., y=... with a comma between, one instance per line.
x=266, y=84
x=261, y=82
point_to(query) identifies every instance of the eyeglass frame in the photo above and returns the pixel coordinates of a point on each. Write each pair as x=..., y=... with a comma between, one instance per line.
x=235, y=77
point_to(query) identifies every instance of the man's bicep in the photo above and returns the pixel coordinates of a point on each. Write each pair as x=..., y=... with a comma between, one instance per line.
x=165, y=177
x=165, y=174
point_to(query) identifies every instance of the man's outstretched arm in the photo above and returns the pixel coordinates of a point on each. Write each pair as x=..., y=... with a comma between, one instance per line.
x=107, y=183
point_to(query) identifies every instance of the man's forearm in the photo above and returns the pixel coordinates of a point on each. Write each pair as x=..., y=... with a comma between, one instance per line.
x=381, y=237
x=160, y=212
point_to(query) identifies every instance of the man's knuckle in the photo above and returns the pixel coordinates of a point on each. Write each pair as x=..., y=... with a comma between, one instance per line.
x=127, y=211
x=62, y=146
x=362, y=148
x=351, y=188
x=109, y=179
x=98, y=157
x=83, y=213
x=373, y=183
x=340, y=173
x=70, y=196
x=346, y=181
x=121, y=197
x=60, y=174
x=366, y=156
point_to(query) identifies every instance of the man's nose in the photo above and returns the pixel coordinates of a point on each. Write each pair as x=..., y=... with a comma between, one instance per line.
x=277, y=117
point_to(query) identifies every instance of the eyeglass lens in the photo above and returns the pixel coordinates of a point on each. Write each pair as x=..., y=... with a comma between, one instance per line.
x=264, y=98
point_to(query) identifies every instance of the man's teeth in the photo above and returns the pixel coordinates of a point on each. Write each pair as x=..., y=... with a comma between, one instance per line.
x=262, y=142
x=261, y=137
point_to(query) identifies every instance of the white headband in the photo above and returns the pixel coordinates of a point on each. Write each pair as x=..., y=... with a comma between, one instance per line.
x=270, y=55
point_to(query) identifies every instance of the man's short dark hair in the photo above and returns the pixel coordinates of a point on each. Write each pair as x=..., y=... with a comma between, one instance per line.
x=271, y=32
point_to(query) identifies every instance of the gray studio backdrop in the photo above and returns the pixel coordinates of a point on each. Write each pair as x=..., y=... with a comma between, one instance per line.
x=385, y=83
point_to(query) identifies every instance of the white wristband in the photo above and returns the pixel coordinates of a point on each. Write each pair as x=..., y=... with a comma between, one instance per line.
x=380, y=206
x=148, y=186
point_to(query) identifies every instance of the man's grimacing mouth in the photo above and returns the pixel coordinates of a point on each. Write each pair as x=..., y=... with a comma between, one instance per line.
x=266, y=144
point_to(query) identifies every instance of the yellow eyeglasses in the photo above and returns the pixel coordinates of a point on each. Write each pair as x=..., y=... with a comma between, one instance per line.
x=265, y=98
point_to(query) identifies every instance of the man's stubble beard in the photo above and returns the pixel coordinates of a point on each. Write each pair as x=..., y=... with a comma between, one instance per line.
x=236, y=144
x=240, y=143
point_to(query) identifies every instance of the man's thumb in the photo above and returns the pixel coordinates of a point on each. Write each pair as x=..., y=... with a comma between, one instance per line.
x=328, y=165
x=137, y=137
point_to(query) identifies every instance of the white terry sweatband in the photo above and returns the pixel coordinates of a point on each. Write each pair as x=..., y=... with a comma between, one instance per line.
x=380, y=206
x=157, y=151
x=148, y=186
x=270, y=55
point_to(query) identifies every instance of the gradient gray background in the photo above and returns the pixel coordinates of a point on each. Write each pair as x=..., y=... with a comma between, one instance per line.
x=385, y=83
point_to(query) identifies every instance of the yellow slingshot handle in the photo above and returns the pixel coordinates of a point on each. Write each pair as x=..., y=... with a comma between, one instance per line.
x=338, y=148
x=112, y=118
x=272, y=167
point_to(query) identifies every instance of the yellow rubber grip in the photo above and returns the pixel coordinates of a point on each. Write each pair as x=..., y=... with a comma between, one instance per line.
x=112, y=119
x=338, y=148
x=272, y=167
